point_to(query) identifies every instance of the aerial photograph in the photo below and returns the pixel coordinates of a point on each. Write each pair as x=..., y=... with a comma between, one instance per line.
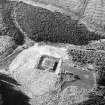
x=52, y=52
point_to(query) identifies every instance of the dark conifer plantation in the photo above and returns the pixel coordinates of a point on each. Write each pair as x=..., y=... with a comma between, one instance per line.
x=43, y=25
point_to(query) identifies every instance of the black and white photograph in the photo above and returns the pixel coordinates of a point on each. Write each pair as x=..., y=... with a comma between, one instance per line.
x=52, y=52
